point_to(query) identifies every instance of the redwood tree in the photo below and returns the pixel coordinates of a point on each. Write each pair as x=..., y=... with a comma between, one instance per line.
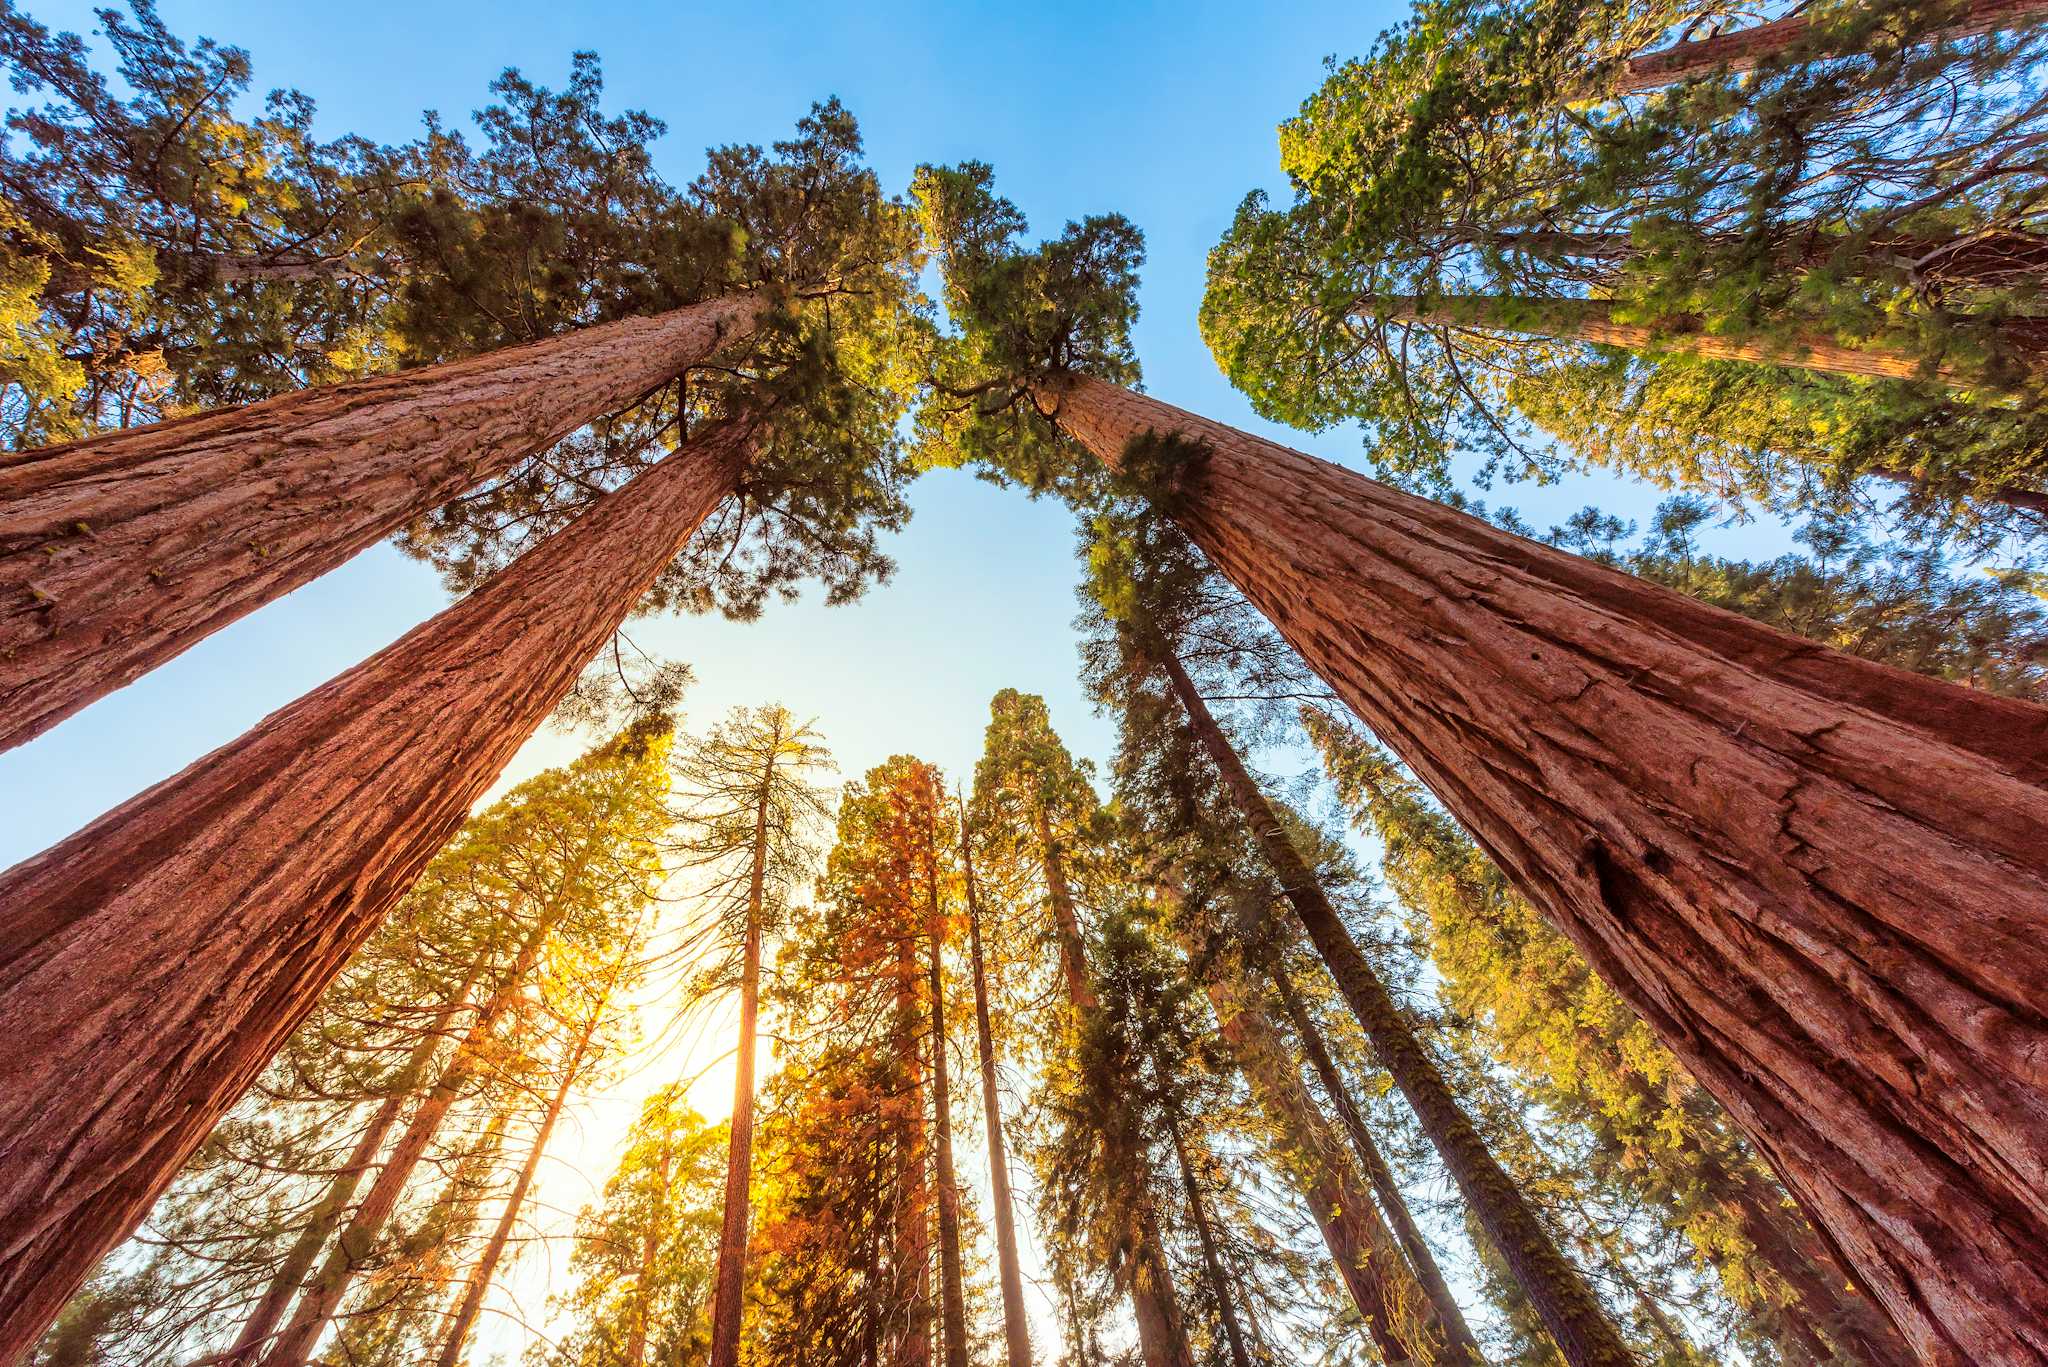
x=155, y=960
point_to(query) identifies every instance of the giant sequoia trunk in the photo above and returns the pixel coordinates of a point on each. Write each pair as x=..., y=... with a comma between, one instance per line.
x=1392, y=1302
x=1421, y=1257
x=324, y=1294
x=151, y=964
x=1016, y=1328
x=1745, y=48
x=1823, y=881
x=1573, y=1314
x=1593, y=321
x=728, y=1290
x=478, y=1283
x=119, y=552
x=952, y=1286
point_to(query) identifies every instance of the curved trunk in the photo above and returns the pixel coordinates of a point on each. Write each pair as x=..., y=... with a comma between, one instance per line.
x=1745, y=48
x=1016, y=1328
x=1463, y=1346
x=119, y=552
x=151, y=964
x=1821, y=880
x=1570, y=1310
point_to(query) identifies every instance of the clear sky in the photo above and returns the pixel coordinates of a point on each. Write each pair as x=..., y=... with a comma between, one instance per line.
x=1164, y=112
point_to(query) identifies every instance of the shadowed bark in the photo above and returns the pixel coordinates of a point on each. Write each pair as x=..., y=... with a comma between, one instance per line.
x=151, y=964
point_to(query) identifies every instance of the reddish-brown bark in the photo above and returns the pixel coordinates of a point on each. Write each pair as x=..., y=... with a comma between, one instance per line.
x=1822, y=881
x=730, y=1279
x=1397, y=1312
x=152, y=963
x=1462, y=1345
x=119, y=552
x=1148, y=1278
x=1570, y=1311
x=1016, y=1328
x=1073, y=957
x=1745, y=48
x=952, y=1292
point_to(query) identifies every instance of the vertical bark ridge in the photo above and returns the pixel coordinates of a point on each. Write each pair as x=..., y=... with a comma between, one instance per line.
x=119, y=552
x=1823, y=881
x=152, y=963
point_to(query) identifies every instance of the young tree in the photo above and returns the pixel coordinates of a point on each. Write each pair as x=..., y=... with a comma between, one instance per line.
x=747, y=799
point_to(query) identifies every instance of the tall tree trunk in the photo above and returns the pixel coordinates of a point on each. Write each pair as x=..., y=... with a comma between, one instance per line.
x=119, y=552
x=952, y=1285
x=1593, y=321
x=1212, y=1261
x=1391, y=1301
x=913, y=1192
x=478, y=1283
x=729, y=1288
x=1016, y=1327
x=326, y=1217
x=1421, y=1258
x=1155, y=1304
x=1570, y=1310
x=650, y=1254
x=1821, y=880
x=1073, y=955
x=151, y=964
x=316, y=1307
x=1745, y=48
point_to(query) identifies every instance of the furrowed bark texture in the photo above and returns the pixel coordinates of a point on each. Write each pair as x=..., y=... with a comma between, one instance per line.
x=1823, y=881
x=119, y=552
x=1016, y=1327
x=151, y=964
x=1462, y=1345
x=1747, y=47
x=1593, y=320
x=1577, y=1322
x=1402, y=1321
x=729, y=1288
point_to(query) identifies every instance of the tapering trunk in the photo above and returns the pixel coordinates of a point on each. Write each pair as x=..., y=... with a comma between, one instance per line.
x=1073, y=955
x=1593, y=321
x=326, y=1217
x=1463, y=1346
x=119, y=552
x=1745, y=48
x=1821, y=880
x=1397, y=1313
x=478, y=1283
x=151, y=964
x=1570, y=1310
x=1212, y=1261
x=1155, y=1304
x=323, y=1296
x=728, y=1290
x=952, y=1284
x=1016, y=1327
x=912, y=1252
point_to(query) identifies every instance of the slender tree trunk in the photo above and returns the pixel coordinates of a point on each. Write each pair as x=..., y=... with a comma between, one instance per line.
x=1155, y=1304
x=1593, y=320
x=1016, y=1328
x=1073, y=955
x=729, y=1289
x=1391, y=1301
x=1745, y=48
x=1421, y=1258
x=151, y=964
x=913, y=1191
x=316, y=1307
x=478, y=1283
x=1821, y=880
x=952, y=1292
x=1570, y=1310
x=1992, y=257
x=325, y=1217
x=119, y=552
x=1212, y=1261
x=650, y=1253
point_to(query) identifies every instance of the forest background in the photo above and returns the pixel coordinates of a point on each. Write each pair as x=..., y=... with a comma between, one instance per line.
x=1164, y=112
